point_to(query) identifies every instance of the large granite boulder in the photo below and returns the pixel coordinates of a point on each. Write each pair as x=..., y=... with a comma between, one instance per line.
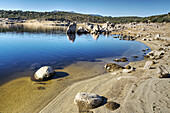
x=87, y=100
x=71, y=28
x=44, y=73
x=162, y=72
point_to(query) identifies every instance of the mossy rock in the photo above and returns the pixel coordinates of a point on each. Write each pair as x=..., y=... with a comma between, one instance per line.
x=110, y=67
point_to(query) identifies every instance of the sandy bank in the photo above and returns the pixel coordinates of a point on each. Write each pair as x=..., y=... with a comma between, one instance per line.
x=25, y=96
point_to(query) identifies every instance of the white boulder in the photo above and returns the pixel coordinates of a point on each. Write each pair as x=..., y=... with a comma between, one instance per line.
x=44, y=73
x=128, y=70
x=148, y=64
x=87, y=100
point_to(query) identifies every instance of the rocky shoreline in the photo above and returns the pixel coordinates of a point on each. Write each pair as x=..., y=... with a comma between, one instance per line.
x=140, y=90
x=138, y=87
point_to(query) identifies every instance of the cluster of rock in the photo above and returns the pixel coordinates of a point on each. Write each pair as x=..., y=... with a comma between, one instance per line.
x=157, y=37
x=91, y=28
x=121, y=60
x=155, y=54
x=125, y=37
x=162, y=72
x=110, y=67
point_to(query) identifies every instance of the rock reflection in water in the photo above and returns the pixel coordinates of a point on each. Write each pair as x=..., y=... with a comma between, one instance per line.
x=71, y=37
x=95, y=36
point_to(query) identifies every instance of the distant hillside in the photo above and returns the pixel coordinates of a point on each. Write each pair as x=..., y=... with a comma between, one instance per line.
x=71, y=16
x=95, y=15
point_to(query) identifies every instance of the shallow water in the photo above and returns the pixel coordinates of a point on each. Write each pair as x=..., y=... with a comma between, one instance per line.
x=29, y=51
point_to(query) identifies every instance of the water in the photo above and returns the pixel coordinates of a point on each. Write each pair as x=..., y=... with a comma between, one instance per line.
x=28, y=51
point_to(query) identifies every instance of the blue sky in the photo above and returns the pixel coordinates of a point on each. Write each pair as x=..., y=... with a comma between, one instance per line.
x=103, y=7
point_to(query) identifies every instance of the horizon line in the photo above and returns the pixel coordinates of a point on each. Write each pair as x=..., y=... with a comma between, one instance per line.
x=71, y=11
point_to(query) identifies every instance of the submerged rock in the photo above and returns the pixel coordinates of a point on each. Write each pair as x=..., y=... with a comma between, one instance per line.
x=121, y=60
x=44, y=73
x=135, y=56
x=162, y=72
x=87, y=100
x=110, y=67
x=124, y=59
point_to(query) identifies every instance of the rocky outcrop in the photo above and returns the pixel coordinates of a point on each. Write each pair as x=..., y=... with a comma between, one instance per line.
x=44, y=73
x=110, y=67
x=86, y=101
x=71, y=28
x=155, y=54
x=162, y=72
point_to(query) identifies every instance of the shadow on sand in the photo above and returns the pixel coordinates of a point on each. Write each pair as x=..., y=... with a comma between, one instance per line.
x=57, y=75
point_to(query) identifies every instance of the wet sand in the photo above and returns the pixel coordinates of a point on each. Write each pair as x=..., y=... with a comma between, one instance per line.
x=26, y=96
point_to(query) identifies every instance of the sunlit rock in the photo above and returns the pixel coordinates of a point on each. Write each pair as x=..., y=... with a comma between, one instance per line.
x=44, y=73
x=162, y=72
x=87, y=100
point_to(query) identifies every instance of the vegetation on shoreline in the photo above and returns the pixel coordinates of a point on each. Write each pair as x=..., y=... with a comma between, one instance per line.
x=69, y=16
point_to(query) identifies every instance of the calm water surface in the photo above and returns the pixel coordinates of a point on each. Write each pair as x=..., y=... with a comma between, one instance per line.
x=29, y=51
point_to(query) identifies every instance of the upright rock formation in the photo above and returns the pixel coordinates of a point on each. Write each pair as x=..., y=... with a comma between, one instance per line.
x=71, y=28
